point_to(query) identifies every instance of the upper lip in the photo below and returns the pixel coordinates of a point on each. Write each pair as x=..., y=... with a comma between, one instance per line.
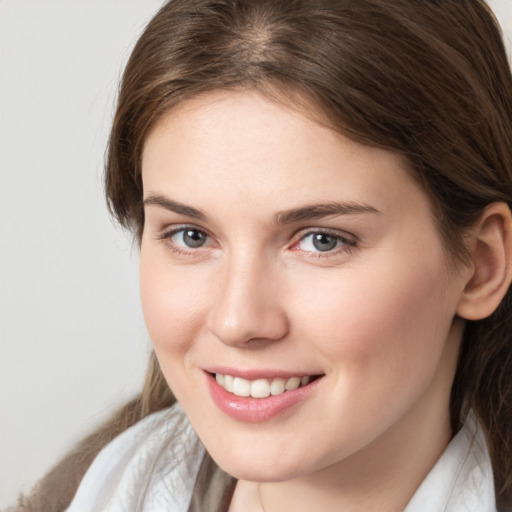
x=254, y=374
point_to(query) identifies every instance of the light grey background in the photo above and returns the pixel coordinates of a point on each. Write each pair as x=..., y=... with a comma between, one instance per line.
x=72, y=341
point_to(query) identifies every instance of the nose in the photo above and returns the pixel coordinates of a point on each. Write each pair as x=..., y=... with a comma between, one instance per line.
x=248, y=307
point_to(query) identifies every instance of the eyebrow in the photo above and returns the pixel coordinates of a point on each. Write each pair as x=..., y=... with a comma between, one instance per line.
x=316, y=211
x=308, y=212
x=174, y=206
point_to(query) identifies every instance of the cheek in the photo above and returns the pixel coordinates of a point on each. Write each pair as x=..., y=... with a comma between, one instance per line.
x=382, y=337
x=392, y=325
x=172, y=302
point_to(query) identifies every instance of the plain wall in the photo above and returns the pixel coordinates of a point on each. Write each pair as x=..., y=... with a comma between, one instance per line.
x=72, y=341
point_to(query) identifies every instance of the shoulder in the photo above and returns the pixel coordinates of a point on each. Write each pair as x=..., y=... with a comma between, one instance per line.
x=462, y=479
x=151, y=465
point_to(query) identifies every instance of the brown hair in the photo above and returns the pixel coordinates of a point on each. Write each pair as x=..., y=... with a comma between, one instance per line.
x=426, y=78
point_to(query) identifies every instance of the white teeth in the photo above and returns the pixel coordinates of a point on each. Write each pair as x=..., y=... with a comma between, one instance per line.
x=241, y=387
x=228, y=383
x=260, y=388
x=292, y=384
x=277, y=386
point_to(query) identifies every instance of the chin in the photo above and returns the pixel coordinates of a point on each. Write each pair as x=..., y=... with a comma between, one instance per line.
x=262, y=474
x=258, y=468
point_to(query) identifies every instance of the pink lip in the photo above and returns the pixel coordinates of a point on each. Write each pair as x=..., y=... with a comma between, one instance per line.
x=254, y=410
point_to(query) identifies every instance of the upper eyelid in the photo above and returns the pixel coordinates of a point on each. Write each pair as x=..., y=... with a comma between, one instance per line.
x=302, y=233
x=166, y=234
x=176, y=228
x=349, y=242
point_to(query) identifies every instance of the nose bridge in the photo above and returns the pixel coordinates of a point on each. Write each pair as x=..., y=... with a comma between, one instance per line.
x=248, y=306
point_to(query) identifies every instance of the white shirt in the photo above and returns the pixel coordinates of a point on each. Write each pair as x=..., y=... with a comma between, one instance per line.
x=152, y=467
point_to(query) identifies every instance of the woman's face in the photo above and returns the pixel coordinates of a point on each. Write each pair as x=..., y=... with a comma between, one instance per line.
x=274, y=250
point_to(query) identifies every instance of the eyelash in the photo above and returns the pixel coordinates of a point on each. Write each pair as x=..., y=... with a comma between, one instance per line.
x=344, y=244
x=167, y=236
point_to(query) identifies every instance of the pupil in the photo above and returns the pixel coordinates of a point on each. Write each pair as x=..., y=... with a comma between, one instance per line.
x=193, y=238
x=324, y=242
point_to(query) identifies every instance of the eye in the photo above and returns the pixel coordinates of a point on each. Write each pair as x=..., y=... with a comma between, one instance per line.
x=188, y=238
x=321, y=241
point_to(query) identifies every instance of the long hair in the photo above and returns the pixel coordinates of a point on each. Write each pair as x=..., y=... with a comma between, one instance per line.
x=428, y=79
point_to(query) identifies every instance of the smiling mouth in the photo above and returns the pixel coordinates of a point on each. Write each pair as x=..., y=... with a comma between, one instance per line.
x=262, y=388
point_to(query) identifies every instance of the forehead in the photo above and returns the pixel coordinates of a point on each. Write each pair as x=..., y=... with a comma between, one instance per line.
x=243, y=155
x=229, y=138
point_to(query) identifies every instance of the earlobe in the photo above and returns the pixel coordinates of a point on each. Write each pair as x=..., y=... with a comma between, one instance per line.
x=491, y=259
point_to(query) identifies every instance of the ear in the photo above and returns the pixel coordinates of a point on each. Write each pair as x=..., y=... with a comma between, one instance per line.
x=491, y=262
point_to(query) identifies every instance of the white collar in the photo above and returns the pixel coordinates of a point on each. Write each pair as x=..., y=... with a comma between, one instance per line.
x=146, y=469
x=462, y=479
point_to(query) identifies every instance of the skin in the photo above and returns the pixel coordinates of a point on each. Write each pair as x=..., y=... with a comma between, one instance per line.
x=376, y=315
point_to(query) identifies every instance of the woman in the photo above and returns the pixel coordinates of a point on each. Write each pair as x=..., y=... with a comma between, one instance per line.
x=321, y=194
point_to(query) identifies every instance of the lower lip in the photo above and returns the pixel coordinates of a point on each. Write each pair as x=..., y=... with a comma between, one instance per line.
x=255, y=410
